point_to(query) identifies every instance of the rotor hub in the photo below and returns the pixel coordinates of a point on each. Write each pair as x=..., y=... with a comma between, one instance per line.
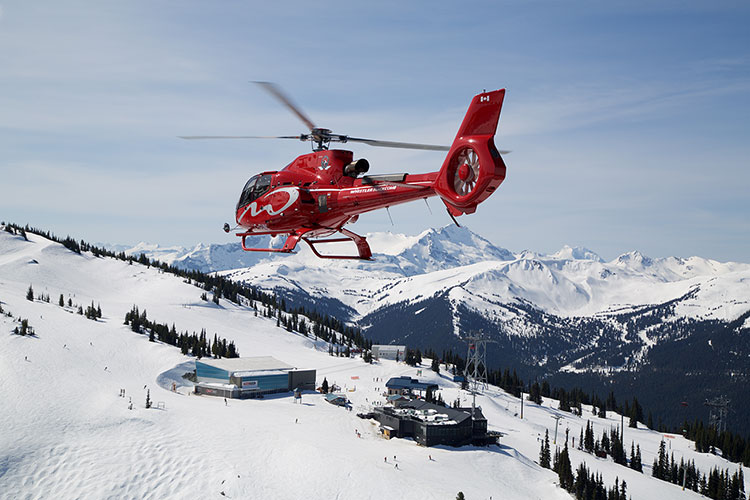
x=465, y=172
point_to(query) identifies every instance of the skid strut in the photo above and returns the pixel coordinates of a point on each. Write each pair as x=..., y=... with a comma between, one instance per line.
x=363, y=248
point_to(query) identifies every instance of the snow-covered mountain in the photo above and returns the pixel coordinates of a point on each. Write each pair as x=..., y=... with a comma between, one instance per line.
x=202, y=257
x=406, y=255
x=570, y=282
x=67, y=433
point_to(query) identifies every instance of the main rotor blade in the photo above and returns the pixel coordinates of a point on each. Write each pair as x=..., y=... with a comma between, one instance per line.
x=239, y=137
x=278, y=94
x=402, y=145
x=406, y=145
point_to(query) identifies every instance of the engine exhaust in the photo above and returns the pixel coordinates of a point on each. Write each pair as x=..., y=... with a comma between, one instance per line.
x=357, y=167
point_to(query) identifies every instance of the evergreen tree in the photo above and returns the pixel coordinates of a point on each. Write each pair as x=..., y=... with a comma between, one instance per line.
x=580, y=440
x=588, y=438
x=544, y=454
x=460, y=496
x=636, y=414
x=564, y=469
x=546, y=389
x=324, y=386
x=635, y=460
x=30, y=293
x=25, y=328
x=435, y=366
x=660, y=467
x=61, y=302
x=148, y=398
x=617, y=449
x=604, y=442
x=410, y=358
x=564, y=404
x=535, y=393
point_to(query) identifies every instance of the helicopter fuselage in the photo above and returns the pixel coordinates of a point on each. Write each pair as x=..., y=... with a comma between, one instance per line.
x=316, y=193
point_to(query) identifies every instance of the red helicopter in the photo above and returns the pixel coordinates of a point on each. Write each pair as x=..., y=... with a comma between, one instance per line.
x=318, y=193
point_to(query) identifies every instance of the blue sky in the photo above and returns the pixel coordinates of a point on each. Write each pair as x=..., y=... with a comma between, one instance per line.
x=629, y=122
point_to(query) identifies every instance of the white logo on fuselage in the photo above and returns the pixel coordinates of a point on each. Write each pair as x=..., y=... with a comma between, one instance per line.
x=292, y=193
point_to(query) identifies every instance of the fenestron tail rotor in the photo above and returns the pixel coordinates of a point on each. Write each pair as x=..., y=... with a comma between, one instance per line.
x=465, y=172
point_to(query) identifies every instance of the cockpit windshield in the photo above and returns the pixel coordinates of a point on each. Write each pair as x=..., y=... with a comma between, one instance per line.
x=254, y=189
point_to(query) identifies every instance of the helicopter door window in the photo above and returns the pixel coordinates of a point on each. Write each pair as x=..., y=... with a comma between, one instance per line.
x=322, y=203
x=263, y=184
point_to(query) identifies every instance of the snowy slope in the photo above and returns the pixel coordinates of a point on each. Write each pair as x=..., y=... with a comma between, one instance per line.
x=67, y=434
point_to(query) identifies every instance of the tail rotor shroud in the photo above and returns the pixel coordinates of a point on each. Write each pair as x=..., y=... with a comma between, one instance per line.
x=465, y=168
x=473, y=168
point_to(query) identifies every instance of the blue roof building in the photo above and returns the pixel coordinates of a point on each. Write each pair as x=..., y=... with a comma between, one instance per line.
x=249, y=377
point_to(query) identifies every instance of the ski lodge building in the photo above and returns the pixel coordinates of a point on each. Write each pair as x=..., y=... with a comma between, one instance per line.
x=250, y=377
x=389, y=352
x=430, y=424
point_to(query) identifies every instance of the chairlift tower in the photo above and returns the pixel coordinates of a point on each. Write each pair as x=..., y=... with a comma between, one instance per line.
x=719, y=411
x=477, y=359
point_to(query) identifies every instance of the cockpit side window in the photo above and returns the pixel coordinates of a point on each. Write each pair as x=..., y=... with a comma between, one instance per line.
x=254, y=189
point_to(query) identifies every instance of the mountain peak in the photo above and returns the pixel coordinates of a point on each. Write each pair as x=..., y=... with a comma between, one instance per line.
x=448, y=247
x=576, y=253
x=634, y=258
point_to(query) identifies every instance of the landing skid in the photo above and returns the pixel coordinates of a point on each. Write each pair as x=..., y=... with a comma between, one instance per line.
x=363, y=248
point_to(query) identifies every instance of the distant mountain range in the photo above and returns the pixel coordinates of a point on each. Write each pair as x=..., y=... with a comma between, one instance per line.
x=570, y=317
